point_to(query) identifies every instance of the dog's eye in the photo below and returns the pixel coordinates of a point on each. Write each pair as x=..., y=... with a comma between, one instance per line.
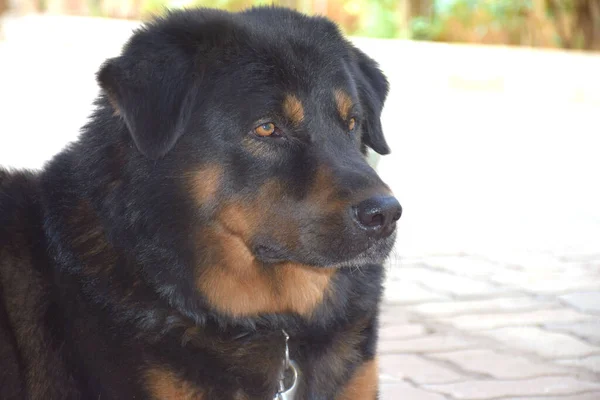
x=351, y=124
x=265, y=130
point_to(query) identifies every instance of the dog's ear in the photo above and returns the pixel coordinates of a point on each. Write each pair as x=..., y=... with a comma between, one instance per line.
x=373, y=89
x=153, y=92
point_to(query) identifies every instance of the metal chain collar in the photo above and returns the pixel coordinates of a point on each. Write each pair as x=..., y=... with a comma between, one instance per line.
x=288, y=393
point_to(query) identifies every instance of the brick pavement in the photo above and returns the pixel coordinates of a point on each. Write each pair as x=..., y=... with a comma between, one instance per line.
x=468, y=327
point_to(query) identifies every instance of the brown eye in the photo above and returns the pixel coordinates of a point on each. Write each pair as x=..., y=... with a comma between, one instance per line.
x=352, y=124
x=265, y=130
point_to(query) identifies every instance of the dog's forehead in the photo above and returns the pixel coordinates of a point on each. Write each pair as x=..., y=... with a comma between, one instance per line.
x=302, y=59
x=308, y=70
x=289, y=24
x=295, y=46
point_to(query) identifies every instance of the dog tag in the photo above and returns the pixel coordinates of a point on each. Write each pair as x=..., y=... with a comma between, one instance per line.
x=290, y=393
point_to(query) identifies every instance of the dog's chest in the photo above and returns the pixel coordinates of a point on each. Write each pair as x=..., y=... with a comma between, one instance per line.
x=252, y=371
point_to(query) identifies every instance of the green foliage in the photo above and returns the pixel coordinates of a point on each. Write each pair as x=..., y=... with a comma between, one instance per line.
x=378, y=18
x=480, y=16
x=425, y=28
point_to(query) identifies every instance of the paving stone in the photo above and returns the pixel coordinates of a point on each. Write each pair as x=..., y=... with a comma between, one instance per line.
x=442, y=282
x=595, y=395
x=403, y=331
x=496, y=305
x=585, y=301
x=585, y=258
x=544, y=343
x=498, y=365
x=426, y=344
x=390, y=378
x=393, y=314
x=416, y=368
x=592, y=363
x=545, y=282
x=563, y=285
x=464, y=265
x=533, y=261
x=404, y=392
x=588, y=330
x=489, y=321
x=393, y=379
x=401, y=292
x=488, y=389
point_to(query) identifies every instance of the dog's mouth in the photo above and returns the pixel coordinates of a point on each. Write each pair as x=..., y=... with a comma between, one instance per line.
x=375, y=252
x=314, y=251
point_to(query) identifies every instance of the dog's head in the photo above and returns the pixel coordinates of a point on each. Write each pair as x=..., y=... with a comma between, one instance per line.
x=263, y=118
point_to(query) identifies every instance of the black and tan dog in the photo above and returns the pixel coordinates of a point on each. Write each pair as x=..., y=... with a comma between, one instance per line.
x=218, y=196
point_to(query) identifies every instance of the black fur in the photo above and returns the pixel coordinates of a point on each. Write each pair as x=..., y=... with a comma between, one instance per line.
x=99, y=252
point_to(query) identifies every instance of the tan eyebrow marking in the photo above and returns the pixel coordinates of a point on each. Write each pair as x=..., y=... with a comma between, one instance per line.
x=344, y=103
x=293, y=109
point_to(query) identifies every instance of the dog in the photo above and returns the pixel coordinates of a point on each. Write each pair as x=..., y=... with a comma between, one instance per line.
x=215, y=233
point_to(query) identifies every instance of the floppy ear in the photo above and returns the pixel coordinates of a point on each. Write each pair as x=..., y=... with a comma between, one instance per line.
x=153, y=92
x=372, y=89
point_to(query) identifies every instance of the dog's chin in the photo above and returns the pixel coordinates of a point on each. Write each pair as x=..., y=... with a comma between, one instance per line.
x=373, y=253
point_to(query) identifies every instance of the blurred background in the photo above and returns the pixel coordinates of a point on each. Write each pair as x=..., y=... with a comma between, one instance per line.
x=493, y=120
x=542, y=23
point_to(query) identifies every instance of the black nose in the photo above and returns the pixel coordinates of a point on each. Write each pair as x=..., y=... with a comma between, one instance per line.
x=378, y=215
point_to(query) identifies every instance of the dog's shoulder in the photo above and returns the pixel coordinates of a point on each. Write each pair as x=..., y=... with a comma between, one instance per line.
x=17, y=212
x=27, y=343
x=21, y=242
x=19, y=208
